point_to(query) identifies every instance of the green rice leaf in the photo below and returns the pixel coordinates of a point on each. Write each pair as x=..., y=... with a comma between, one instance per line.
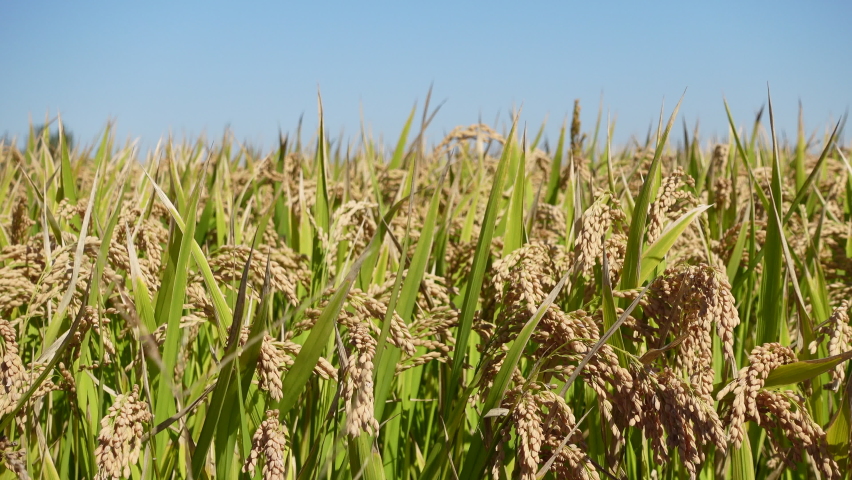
x=737, y=252
x=802, y=370
x=315, y=344
x=322, y=209
x=167, y=393
x=631, y=273
x=657, y=251
x=742, y=462
x=514, y=235
x=220, y=306
x=477, y=273
x=228, y=426
x=477, y=455
x=141, y=294
x=839, y=431
x=399, y=151
x=772, y=314
x=552, y=193
x=299, y=373
x=68, y=189
x=59, y=315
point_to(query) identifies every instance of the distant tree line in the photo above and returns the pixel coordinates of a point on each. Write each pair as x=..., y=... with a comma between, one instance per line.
x=39, y=131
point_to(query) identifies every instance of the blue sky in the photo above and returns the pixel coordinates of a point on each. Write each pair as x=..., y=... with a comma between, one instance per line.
x=193, y=67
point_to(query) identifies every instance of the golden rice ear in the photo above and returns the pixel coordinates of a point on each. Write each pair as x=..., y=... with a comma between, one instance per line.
x=528, y=425
x=839, y=334
x=21, y=222
x=669, y=405
x=12, y=371
x=749, y=382
x=14, y=460
x=671, y=201
x=589, y=246
x=270, y=444
x=120, y=438
x=786, y=411
x=358, y=391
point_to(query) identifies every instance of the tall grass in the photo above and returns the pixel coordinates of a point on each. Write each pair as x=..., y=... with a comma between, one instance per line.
x=486, y=307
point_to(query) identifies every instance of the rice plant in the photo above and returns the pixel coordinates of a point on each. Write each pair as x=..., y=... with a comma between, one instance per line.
x=485, y=307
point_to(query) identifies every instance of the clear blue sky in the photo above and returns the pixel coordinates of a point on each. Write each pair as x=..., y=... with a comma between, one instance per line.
x=193, y=67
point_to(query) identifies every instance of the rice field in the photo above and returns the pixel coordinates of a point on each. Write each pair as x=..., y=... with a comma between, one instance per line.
x=490, y=306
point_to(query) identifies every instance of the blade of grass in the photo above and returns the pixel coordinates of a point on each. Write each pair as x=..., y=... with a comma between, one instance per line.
x=631, y=272
x=476, y=275
x=57, y=320
x=220, y=305
x=322, y=208
x=477, y=455
x=803, y=370
x=742, y=462
x=141, y=294
x=216, y=428
x=514, y=235
x=68, y=188
x=838, y=432
x=317, y=340
x=227, y=428
x=167, y=392
x=396, y=160
x=657, y=251
x=387, y=357
x=737, y=253
x=772, y=281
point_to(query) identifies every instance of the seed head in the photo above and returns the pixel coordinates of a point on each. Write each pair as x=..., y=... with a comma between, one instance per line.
x=14, y=460
x=12, y=373
x=839, y=334
x=530, y=435
x=120, y=439
x=269, y=443
x=670, y=201
x=358, y=391
x=749, y=382
x=20, y=222
x=786, y=412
